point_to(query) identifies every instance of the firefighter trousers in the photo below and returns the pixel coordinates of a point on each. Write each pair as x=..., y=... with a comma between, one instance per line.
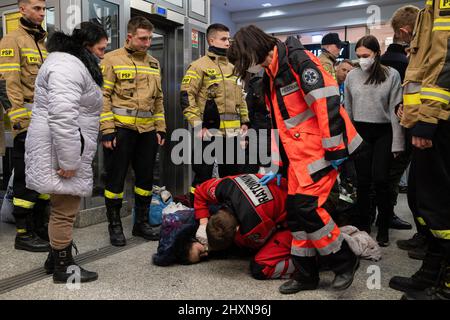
x=203, y=164
x=140, y=149
x=314, y=231
x=432, y=175
x=28, y=204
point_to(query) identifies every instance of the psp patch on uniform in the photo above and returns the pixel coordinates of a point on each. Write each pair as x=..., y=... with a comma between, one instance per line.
x=7, y=53
x=102, y=68
x=290, y=88
x=154, y=65
x=186, y=80
x=310, y=77
x=211, y=71
x=444, y=5
x=33, y=59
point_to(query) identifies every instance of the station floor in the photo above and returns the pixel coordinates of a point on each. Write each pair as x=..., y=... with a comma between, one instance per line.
x=127, y=273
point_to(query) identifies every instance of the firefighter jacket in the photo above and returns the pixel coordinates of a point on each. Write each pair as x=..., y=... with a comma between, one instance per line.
x=132, y=92
x=259, y=209
x=328, y=61
x=22, y=53
x=427, y=81
x=212, y=97
x=305, y=107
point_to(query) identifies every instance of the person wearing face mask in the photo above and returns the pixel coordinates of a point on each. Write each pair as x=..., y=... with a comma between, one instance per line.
x=331, y=50
x=133, y=126
x=213, y=103
x=317, y=136
x=22, y=53
x=372, y=93
x=62, y=137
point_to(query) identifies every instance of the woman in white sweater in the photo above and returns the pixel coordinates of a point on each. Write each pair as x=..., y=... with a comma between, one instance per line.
x=372, y=92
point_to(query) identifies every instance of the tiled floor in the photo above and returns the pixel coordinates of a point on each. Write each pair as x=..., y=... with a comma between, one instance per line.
x=131, y=275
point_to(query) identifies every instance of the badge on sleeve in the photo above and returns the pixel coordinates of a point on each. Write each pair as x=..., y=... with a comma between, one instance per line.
x=444, y=5
x=7, y=53
x=310, y=77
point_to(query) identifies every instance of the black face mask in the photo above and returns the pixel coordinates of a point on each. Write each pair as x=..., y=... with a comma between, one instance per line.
x=218, y=51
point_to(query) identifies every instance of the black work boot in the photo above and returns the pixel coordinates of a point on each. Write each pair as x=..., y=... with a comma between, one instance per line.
x=115, y=229
x=418, y=253
x=306, y=276
x=344, y=264
x=440, y=292
x=141, y=227
x=417, y=240
x=26, y=238
x=63, y=260
x=424, y=278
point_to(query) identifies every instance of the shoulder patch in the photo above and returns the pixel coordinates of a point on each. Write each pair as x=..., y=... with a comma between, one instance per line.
x=7, y=53
x=102, y=67
x=310, y=76
x=444, y=5
x=211, y=72
x=154, y=65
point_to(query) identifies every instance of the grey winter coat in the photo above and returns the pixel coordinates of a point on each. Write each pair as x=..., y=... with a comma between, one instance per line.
x=64, y=126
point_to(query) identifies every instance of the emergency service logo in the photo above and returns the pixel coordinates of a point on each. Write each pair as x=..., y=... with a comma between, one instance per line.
x=310, y=77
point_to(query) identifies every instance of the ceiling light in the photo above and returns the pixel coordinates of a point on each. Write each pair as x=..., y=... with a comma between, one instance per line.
x=272, y=13
x=352, y=3
x=265, y=5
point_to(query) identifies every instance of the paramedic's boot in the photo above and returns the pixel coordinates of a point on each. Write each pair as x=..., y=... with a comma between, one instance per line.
x=63, y=260
x=426, y=277
x=306, y=276
x=344, y=264
x=115, y=229
x=418, y=240
x=141, y=227
x=27, y=239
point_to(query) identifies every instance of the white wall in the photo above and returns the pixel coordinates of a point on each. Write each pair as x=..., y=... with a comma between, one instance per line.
x=219, y=15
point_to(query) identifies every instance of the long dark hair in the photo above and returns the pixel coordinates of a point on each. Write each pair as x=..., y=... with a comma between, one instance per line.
x=250, y=46
x=378, y=72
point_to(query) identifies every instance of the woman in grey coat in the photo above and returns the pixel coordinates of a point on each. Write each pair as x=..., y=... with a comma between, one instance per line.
x=62, y=137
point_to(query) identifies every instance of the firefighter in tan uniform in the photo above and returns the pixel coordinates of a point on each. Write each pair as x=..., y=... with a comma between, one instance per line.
x=22, y=52
x=132, y=126
x=427, y=113
x=213, y=103
x=331, y=50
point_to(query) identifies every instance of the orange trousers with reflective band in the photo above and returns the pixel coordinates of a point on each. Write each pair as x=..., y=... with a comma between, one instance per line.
x=313, y=230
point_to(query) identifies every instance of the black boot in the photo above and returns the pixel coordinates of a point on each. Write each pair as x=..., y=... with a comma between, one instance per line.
x=49, y=264
x=440, y=292
x=115, y=229
x=26, y=238
x=418, y=253
x=141, y=227
x=426, y=277
x=344, y=264
x=399, y=224
x=63, y=259
x=306, y=276
x=417, y=240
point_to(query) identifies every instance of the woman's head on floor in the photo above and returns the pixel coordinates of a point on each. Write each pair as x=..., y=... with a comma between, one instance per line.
x=221, y=230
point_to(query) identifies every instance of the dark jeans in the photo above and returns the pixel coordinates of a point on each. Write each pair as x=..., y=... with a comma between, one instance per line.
x=372, y=168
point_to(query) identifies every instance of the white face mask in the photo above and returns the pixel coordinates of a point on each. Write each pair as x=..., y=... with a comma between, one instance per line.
x=366, y=63
x=255, y=68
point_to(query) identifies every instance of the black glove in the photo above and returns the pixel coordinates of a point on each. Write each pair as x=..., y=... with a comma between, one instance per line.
x=108, y=137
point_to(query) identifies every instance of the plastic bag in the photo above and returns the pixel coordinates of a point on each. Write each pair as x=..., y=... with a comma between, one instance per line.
x=6, y=211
